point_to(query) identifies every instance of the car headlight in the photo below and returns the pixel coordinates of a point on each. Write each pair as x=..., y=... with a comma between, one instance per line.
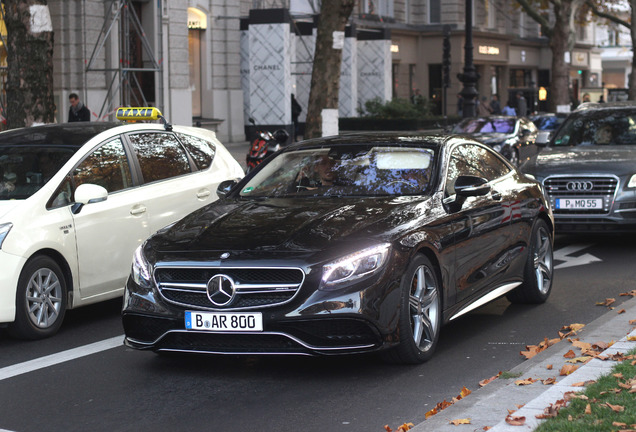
x=630, y=184
x=354, y=266
x=4, y=230
x=140, y=272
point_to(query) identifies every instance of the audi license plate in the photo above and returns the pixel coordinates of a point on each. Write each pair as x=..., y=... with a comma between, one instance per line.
x=579, y=203
x=224, y=321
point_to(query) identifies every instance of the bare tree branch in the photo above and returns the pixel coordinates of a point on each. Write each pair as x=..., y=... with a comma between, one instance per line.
x=596, y=11
x=535, y=15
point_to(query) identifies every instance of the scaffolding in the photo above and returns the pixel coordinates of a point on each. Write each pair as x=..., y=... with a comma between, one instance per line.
x=124, y=87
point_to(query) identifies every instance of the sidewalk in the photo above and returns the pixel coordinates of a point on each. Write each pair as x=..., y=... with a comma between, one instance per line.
x=489, y=405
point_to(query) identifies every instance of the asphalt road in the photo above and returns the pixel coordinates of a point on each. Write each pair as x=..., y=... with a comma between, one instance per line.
x=118, y=389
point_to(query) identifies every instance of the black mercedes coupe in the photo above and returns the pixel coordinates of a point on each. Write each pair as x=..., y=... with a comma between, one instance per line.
x=347, y=244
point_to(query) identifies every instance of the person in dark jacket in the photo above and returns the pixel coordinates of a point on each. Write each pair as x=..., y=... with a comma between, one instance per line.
x=78, y=111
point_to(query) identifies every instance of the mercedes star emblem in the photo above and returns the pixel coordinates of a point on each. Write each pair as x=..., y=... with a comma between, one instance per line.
x=221, y=290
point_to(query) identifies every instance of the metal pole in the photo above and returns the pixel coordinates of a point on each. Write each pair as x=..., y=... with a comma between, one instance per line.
x=469, y=77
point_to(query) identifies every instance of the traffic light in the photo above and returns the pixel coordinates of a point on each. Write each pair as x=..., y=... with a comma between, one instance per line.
x=446, y=57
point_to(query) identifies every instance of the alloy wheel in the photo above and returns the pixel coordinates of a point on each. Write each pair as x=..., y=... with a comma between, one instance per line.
x=543, y=260
x=44, y=298
x=424, y=308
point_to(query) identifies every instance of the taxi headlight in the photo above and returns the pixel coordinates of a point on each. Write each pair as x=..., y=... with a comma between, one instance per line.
x=4, y=230
x=632, y=182
x=354, y=266
x=141, y=273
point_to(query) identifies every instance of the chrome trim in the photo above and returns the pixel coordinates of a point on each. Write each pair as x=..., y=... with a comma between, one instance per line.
x=300, y=342
x=608, y=198
x=241, y=289
x=498, y=292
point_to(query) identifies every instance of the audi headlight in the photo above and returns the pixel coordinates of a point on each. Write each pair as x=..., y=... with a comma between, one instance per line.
x=4, y=230
x=140, y=272
x=630, y=184
x=354, y=266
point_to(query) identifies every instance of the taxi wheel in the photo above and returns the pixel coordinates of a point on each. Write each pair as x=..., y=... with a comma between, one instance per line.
x=420, y=314
x=537, y=275
x=40, y=301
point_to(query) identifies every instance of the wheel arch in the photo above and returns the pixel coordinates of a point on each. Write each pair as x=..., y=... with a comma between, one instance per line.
x=64, y=266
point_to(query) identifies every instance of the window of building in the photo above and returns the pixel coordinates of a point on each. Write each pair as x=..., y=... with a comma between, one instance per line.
x=491, y=13
x=520, y=78
x=378, y=7
x=434, y=11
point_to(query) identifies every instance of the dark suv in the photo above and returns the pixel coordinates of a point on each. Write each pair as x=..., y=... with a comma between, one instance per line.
x=588, y=169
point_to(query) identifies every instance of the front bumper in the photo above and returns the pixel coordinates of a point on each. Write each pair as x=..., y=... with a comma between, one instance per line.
x=313, y=323
x=10, y=268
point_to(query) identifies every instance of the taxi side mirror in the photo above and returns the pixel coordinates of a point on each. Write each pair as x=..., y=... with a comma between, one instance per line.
x=88, y=194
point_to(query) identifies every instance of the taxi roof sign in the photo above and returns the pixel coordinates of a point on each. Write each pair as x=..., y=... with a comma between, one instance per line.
x=136, y=114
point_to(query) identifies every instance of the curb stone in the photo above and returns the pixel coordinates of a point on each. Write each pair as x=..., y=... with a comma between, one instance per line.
x=489, y=405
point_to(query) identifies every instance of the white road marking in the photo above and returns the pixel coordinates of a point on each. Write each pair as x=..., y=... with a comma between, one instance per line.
x=563, y=254
x=61, y=357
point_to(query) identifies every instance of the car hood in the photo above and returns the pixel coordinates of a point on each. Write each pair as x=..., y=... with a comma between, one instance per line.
x=571, y=160
x=289, y=225
x=489, y=138
x=8, y=205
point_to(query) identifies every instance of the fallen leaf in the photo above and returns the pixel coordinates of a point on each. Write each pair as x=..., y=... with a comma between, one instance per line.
x=549, y=381
x=622, y=311
x=619, y=424
x=568, y=369
x=618, y=375
x=607, y=302
x=632, y=322
x=615, y=408
x=404, y=427
x=460, y=421
x=588, y=409
x=630, y=293
x=526, y=381
x=570, y=354
x=489, y=380
x=515, y=421
x=581, y=345
x=631, y=338
x=583, y=359
x=549, y=367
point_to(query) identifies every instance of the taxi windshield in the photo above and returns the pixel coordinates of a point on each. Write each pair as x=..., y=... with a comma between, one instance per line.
x=601, y=128
x=24, y=169
x=360, y=170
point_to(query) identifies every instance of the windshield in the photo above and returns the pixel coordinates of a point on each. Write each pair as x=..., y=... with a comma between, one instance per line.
x=604, y=127
x=25, y=169
x=486, y=125
x=360, y=170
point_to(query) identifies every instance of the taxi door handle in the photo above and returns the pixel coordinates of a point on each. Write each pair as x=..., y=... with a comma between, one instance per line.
x=137, y=210
x=203, y=194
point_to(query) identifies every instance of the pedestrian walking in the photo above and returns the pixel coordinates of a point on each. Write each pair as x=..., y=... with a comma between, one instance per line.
x=509, y=110
x=495, y=107
x=522, y=105
x=483, y=109
x=78, y=111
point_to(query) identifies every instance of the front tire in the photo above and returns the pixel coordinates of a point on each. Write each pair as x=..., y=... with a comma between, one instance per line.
x=537, y=275
x=40, y=300
x=420, y=314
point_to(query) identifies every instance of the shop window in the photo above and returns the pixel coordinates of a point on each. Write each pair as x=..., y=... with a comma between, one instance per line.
x=434, y=11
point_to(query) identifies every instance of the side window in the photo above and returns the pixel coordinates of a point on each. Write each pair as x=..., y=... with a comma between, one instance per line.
x=106, y=166
x=201, y=150
x=160, y=155
x=475, y=161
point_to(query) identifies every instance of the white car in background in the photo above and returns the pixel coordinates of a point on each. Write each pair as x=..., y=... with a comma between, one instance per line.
x=76, y=199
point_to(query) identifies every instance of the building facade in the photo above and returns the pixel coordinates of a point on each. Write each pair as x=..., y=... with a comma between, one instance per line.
x=219, y=63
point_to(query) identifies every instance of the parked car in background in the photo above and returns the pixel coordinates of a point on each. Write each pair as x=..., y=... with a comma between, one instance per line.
x=513, y=137
x=547, y=124
x=76, y=199
x=339, y=245
x=588, y=169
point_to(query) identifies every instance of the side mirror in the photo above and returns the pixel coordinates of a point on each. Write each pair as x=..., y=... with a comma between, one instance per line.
x=88, y=193
x=543, y=138
x=467, y=186
x=225, y=187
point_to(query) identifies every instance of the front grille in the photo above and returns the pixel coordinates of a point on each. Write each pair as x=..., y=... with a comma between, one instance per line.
x=255, y=287
x=231, y=343
x=581, y=188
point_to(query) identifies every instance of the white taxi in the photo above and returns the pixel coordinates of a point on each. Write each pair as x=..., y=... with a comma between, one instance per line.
x=76, y=199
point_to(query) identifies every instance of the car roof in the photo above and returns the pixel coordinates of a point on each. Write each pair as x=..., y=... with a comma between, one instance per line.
x=596, y=106
x=362, y=138
x=63, y=134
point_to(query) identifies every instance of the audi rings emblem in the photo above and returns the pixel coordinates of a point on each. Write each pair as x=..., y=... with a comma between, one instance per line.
x=221, y=290
x=579, y=186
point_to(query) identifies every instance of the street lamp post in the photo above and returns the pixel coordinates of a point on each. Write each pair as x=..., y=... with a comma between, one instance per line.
x=469, y=77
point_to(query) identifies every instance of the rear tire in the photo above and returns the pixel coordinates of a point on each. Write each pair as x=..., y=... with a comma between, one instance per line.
x=537, y=275
x=40, y=300
x=420, y=314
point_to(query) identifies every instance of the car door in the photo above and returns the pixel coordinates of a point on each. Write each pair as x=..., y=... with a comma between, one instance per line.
x=483, y=238
x=108, y=232
x=173, y=184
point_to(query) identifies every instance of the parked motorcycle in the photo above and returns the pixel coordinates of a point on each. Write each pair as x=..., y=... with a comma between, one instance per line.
x=265, y=144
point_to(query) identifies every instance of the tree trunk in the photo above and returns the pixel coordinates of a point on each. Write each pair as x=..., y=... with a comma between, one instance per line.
x=559, y=43
x=30, y=63
x=632, y=30
x=325, y=77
